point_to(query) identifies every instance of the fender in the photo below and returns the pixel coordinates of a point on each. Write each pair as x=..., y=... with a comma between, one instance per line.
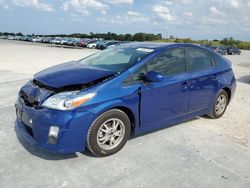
x=133, y=107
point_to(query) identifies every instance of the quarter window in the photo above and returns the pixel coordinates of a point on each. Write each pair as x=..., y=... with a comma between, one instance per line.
x=199, y=59
x=217, y=59
x=170, y=62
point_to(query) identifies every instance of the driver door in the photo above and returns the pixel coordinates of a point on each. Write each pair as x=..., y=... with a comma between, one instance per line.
x=168, y=100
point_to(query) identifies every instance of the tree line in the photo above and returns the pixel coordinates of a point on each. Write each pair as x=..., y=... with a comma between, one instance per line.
x=230, y=41
x=113, y=36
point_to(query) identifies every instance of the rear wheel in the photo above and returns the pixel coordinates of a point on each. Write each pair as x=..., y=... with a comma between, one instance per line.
x=220, y=105
x=108, y=133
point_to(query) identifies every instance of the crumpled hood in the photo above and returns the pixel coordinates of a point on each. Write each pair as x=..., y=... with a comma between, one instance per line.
x=70, y=74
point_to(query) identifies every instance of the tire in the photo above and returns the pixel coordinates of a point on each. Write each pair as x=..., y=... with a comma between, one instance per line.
x=218, y=108
x=103, y=139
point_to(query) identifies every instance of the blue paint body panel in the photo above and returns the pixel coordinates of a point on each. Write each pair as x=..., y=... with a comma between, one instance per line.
x=71, y=73
x=154, y=105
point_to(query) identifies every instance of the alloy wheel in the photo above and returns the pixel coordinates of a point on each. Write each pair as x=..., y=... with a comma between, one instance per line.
x=221, y=104
x=110, y=134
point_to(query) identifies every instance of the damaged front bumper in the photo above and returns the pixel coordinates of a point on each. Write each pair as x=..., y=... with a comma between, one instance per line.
x=33, y=125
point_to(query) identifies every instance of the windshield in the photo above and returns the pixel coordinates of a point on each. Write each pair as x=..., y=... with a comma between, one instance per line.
x=117, y=59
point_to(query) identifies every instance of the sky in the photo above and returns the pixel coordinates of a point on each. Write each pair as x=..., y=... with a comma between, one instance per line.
x=196, y=19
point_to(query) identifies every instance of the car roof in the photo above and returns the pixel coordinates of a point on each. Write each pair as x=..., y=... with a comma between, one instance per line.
x=157, y=45
x=151, y=45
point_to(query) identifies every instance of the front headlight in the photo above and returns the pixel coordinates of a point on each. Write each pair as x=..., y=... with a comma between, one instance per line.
x=67, y=100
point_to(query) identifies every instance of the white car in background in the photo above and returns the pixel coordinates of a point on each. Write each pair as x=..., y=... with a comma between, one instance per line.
x=37, y=39
x=56, y=41
x=91, y=45
x=64, y=41
x=94, y=44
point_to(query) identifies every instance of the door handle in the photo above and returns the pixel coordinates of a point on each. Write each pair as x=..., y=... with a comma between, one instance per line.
x=215, y=77
x=184, y=86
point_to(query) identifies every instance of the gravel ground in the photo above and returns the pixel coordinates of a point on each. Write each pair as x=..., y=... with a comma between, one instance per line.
x=198, y=153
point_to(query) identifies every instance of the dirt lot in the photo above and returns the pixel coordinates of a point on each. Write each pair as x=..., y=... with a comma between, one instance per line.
x=199, y=153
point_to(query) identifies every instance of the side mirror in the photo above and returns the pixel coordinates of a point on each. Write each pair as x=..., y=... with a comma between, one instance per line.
x=153, y=76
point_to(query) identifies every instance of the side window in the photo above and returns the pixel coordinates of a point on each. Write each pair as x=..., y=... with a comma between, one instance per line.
x=199, y=59
x=170, y=62
x=136, y=76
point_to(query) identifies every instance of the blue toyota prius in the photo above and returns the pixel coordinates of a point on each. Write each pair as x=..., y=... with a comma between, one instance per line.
x=99, y=101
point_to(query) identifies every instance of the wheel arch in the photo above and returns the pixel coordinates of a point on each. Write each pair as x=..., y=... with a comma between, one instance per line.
x=229, y=93
x=129, y=113
x=130, y=110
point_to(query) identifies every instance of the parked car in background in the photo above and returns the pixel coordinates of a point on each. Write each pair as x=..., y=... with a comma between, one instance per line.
x=64, y=41
x=37, y=39
x=47, y=39
x=83, y=42
x=99, y=101
x=11, y=38
x=17, y=37
x=222, y=50
x=109, y=44
x=99, y=44
x=114, y=44
x=94, y=43
x=231, y=50
x=70, y=42
x=219, y=49
x=4, y=37
x=56, y=41
x=27, y=38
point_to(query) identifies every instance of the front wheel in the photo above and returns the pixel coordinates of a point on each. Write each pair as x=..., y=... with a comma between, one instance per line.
x=220, y=105
x=108, y=133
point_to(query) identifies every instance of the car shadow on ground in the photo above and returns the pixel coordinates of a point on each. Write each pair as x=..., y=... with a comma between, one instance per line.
x=244, y=79
x=169, y=126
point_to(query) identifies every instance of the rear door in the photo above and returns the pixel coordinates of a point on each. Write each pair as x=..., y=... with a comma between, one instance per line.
x=204, y=80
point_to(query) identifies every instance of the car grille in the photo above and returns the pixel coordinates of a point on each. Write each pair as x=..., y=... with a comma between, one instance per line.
x=26, y=100
x=33, y=95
